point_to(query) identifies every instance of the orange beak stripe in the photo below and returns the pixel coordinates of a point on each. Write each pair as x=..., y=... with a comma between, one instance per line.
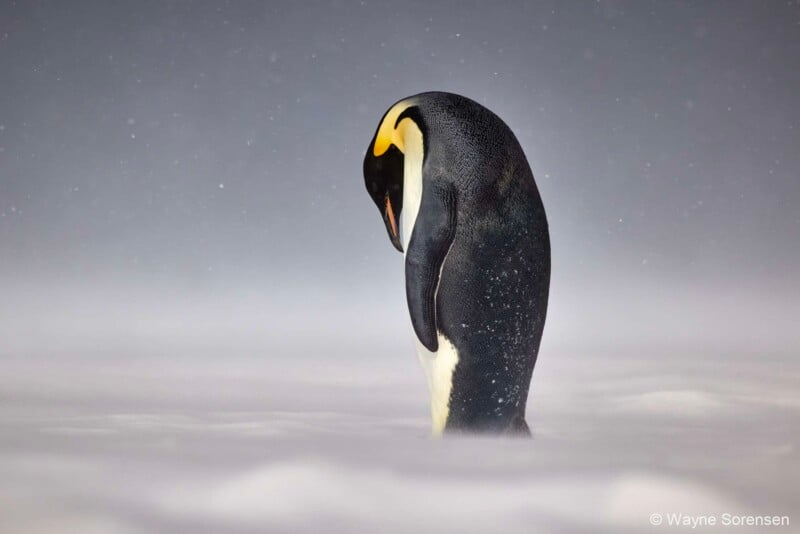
x=390, y=213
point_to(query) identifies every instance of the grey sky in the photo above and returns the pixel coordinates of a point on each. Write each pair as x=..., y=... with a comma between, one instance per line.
x=166, y=156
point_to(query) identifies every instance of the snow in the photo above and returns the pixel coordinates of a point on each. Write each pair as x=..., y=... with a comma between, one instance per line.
x=142, y=444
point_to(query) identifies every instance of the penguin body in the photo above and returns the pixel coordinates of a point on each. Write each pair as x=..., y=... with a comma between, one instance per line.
x=459, y=199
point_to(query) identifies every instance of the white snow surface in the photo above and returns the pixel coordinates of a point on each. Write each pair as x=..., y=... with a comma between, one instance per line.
x=325, y=444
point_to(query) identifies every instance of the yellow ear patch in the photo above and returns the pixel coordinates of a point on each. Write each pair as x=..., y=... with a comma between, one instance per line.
x=387, y=134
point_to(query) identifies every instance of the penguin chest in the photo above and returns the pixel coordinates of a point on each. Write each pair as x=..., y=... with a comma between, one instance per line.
x=412, y=189
x=439, y=365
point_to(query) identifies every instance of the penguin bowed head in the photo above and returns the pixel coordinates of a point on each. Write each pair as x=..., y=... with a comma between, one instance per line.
x=458, y=198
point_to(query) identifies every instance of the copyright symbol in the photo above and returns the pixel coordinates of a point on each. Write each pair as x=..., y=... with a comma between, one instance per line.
x=656, y=519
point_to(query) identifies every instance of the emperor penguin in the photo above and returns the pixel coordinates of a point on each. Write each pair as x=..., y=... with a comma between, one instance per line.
x=459, y=200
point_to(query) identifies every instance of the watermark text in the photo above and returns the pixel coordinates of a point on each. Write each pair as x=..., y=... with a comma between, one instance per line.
x=678, y=519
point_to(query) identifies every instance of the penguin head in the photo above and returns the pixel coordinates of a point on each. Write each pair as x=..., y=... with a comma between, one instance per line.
x=383, y=176
x=384, y=164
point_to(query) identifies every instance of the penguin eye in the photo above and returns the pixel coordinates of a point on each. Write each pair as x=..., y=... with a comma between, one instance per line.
x=374, y=187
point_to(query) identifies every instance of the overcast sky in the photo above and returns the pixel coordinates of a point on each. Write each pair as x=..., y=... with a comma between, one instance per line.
x=172, y=169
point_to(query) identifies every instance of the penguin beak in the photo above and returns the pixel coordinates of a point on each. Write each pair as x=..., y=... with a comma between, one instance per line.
x=391, y=223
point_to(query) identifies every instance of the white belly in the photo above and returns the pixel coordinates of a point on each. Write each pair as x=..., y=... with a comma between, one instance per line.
x=439, y=367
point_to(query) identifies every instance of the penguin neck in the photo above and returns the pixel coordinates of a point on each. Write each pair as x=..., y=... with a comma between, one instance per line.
x=412, y=181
